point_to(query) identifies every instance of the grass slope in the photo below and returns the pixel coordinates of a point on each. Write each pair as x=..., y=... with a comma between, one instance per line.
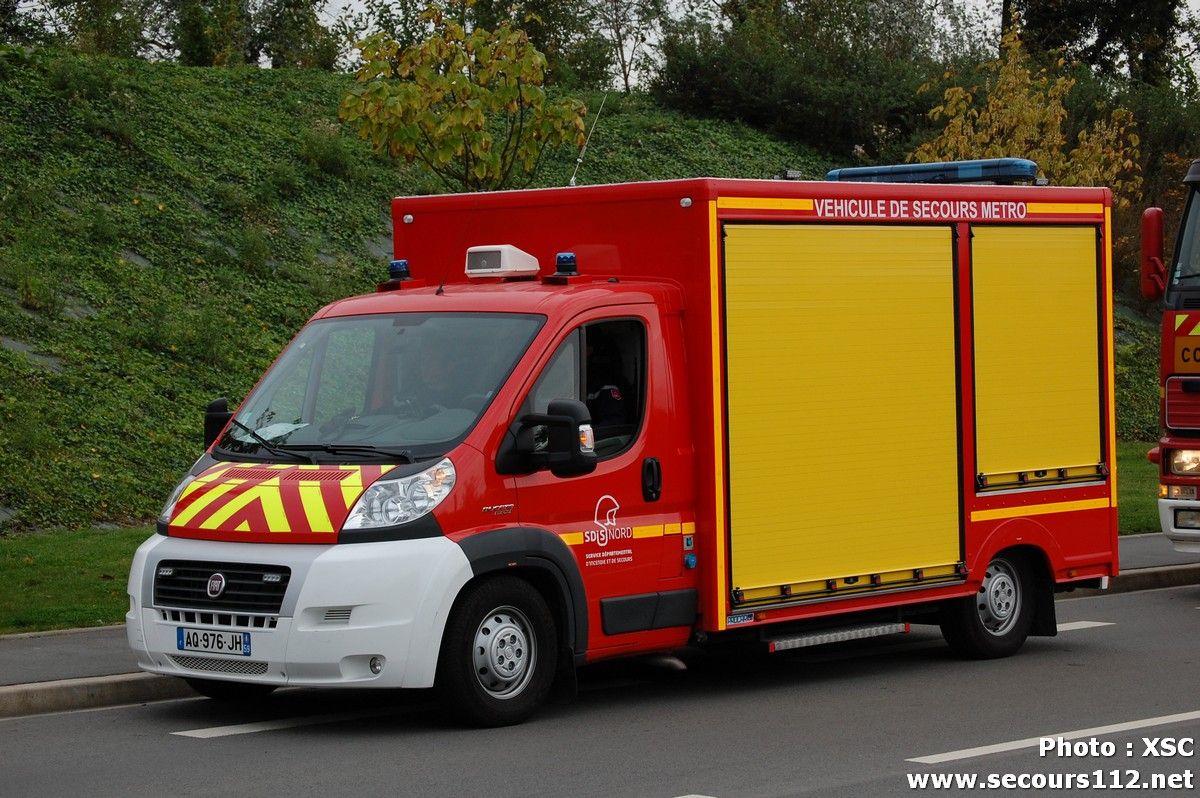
x=165, y=230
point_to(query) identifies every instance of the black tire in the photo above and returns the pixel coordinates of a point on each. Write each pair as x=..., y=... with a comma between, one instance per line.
x=499, y=653
x=231, y=692
x=995, y=621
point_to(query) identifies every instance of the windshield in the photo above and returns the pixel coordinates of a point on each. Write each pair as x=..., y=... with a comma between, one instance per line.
x=398, y=386
x=1187, y=252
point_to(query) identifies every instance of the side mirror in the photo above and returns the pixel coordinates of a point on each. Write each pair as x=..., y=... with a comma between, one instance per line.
x=215, y=418
x=560, y=439
x=1153, y=271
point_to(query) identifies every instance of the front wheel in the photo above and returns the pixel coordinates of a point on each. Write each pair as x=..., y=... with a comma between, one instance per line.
x=997, y=619
x=498, y=654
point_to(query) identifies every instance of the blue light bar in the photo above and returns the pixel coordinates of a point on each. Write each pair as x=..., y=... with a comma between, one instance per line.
x=992, y=170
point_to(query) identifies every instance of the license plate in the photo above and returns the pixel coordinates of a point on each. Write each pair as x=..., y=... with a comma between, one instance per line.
x=212, y=642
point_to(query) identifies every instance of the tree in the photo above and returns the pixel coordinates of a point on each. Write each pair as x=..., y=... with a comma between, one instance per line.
x=1136, y=36
x=1023, y=115
x=565, y=31
x=469, y=104
x=839, y=75
x=291, y=35
x=215, y=33
x=627, y=26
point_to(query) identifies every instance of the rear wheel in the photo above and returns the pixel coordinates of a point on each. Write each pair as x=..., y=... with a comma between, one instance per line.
x=231, y=692
x=498, y=654
x=997, y=619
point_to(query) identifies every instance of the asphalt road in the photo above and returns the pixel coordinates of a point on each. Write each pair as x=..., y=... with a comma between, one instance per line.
x=842, y=720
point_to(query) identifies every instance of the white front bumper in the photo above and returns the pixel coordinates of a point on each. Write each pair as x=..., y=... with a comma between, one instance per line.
x=398, y=594
x=1187, y=540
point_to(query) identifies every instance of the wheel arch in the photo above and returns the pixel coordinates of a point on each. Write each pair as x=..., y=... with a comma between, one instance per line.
x=541, y=558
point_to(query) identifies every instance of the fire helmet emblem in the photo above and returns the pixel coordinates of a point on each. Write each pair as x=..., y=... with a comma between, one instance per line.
x=216, y=586
x=606, y=512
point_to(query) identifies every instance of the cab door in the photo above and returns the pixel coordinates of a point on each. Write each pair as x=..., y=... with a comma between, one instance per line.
x=625, y=521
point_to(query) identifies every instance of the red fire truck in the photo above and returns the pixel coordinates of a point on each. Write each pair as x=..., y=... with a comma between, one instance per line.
x=583, y=423
x=1178, y=452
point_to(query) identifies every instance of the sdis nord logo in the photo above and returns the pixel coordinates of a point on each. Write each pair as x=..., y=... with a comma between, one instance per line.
x=606, y=524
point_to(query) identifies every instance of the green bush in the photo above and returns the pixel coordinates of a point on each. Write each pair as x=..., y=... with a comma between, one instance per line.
x=325, y=151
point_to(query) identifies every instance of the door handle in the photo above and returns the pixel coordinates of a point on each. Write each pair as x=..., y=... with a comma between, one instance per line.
x=651, y=479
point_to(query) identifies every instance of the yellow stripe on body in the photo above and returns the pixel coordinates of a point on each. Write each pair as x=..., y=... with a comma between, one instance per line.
x=718, y=407
x=762, y=204
x=1110, y=388
x=1195, y=330
x=571, y=538
x=672, y=529
x=1039, y=509
x=1179, y=320
x=1091, y=208
x=651, y=531
x=689, y=527
x=198, y=506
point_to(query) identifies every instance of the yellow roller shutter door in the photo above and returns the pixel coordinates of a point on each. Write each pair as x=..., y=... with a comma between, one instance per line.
x=1037, y=378
x=842, y=402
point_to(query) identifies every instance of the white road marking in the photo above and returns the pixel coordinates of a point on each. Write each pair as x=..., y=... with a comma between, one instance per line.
x=1073, y=625
x=1033, y=742
x=282, y=723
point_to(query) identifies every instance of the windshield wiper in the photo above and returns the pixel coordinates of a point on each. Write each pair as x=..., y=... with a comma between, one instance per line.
x=404, y=455
x=276, y=449
x=1187, y=277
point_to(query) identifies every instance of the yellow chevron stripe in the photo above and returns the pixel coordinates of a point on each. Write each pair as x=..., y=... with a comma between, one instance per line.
x=267, y=495
x=1180, y=319
x=314, y=507
x=204, y=501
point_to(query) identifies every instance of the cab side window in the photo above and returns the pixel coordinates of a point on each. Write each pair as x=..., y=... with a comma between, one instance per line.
x=615, y=382
x=602, y=364
x=560, y=379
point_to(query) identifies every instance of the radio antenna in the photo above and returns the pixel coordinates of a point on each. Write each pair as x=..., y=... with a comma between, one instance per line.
x=583, y=152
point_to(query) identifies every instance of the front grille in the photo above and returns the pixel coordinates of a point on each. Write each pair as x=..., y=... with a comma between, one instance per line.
x=220, y=619
x=253, y=589
x=210, y=665
x=1183, y=403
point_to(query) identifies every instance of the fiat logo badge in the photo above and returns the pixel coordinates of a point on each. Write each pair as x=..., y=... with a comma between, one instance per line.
x=216, y=585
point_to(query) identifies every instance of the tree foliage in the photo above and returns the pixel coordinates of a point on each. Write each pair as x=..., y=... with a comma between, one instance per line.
x=215, y=33
x=1022, y=113
x=1137, y=36
x=468, y=103
x=841, y=75
x=628, y=26
x=291, y=35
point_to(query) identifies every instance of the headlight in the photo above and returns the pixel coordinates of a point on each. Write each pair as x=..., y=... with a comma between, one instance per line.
x=391, y=502
x=169, y=508
x=1185, y=462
